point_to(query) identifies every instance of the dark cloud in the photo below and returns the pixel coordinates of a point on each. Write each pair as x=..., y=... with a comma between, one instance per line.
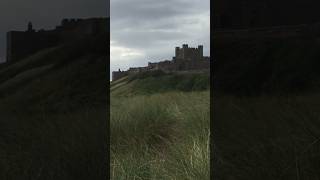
x=154, y=10
x=15, y=14
x=144, y=30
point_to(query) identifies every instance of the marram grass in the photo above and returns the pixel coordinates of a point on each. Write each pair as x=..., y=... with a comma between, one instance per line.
x=160, y=136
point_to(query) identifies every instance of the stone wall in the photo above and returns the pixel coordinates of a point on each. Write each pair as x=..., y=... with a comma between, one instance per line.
x=187, y=53
x=118, y=74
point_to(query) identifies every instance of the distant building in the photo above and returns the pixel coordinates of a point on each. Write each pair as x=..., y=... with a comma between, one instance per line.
x=21, y=44
x=185, y=59
x=189, y=54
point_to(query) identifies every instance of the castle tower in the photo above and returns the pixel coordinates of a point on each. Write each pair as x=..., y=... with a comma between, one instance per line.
x=200, y=49
x=30, y=27
x=184, y=51
x=177, y=52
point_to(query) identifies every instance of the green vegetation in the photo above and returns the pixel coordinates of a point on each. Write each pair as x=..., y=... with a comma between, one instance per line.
x=161, y=134
x=160, y=82
x=53, y=113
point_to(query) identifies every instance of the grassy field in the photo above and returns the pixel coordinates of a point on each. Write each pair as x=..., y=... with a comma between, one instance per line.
x=163, y=135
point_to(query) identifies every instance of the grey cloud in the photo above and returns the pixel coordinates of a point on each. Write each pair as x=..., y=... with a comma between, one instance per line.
x=156, y=27
x=154, y=10
x=144, y=31
x=142, y=12
x=145, y=39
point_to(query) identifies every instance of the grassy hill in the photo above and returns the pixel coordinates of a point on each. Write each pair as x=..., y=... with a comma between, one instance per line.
x=160, y=82
x=53, y=113
x=73, y=69
x=266, y=115
x=160, y=126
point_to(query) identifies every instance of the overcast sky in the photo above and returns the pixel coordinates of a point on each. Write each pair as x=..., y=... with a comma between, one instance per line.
x=149, y=30
x=15, y=14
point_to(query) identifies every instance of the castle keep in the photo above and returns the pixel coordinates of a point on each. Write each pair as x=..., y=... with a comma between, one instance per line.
x=189, y=54
x=185, y=59
x=21, y=44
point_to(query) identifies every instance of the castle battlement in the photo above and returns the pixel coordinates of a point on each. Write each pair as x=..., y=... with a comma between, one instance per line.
x=187, y=53
x=185, y=59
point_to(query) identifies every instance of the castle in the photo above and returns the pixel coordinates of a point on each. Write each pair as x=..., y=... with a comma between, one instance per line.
x=185, y=59
x=21, y=44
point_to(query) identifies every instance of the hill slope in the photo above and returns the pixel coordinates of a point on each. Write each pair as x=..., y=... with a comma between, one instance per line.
x=71, y=73
x=159, y=82
x=159, y=121
x=53, y=113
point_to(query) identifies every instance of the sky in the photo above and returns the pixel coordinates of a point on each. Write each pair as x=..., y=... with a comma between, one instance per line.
x=145, y=31
x=46, y=14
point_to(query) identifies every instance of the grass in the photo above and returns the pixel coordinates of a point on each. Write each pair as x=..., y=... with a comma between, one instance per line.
x=160, y=136
x=53, y=146
x=53, y=120
x=266, y=137
x=266, y=108
x=160, y=82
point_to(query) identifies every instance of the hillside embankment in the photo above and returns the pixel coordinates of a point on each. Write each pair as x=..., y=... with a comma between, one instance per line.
x=266, y=108
x=160, y=126
x=53, y=113
x=151, y=82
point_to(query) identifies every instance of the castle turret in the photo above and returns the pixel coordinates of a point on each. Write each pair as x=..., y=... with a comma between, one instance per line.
x=200, y=49
x=30, y=28
x=64, y=22
x=177, y=51
x=184, y=51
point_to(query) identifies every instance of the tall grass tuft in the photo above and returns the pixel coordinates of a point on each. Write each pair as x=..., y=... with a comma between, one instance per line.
x=160, y=136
